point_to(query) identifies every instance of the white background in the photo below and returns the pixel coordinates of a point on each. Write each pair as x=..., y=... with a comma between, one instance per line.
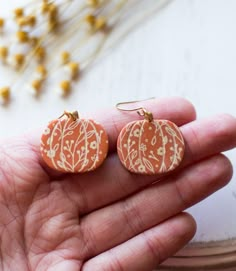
x=186, y=49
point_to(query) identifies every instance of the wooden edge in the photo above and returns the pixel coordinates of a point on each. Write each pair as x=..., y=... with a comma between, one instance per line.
x=220, y=255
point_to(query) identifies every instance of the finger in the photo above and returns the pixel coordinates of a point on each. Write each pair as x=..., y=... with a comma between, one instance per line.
x=175, y=109
x=148, y=249
x=114, y=120
x=121, y=221
x=208, y=137
x=113, y=182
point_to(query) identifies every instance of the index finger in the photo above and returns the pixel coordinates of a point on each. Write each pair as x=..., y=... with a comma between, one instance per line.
x=175, y=109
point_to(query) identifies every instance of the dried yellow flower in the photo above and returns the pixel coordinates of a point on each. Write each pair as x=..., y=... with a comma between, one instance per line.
x=34, y=41
x=5, y=93
x=22, y=36
x=36, y=85
x=18, y=12
x=93, y=3
x=65, y=57
x=45, y=8
x=19, y=60
x=73, y=69
x=65, y=87
x=53, y=11
x=3, y=52
x=100, y=23
x=52, y=25
x=41, y=71
x=96, y=23
x=2, y=22
x=31, y=20
x=40, y=53
x=52, y=17
x=21, y=21
x=27, y=21
x=90, y=19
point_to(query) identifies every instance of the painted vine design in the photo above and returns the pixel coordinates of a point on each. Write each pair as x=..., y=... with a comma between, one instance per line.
x=151, y=147
x=73, y=145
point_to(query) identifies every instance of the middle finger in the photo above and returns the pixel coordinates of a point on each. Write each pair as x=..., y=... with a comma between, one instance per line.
x=113, y=182
x=125, y=219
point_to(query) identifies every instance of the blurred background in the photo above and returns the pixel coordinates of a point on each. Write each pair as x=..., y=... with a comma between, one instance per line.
x=179, y=48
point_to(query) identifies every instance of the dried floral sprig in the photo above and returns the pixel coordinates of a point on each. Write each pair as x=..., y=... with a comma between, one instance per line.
x=76, y=31
x=5, y=94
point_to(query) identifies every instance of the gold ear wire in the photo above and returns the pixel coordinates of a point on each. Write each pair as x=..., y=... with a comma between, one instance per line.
x=140, y=110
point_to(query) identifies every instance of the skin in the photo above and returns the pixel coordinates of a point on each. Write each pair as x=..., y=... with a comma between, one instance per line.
x=108, y=219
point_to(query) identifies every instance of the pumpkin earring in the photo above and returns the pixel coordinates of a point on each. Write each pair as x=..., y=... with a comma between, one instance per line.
x=149, y=146
x=71, y=144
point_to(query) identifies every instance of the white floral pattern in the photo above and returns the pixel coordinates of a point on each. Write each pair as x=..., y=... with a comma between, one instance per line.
x=74, y=146
x=137, y=132
x=150, y=147
x=51, y=153
x=141, y=168
x=161, y=151
x=93, y=145
x=47, y=131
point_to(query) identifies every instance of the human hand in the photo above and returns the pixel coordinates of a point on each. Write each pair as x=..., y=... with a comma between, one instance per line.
x=108, y=219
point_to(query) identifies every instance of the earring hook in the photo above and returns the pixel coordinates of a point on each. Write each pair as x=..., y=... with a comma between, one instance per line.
x=140, y=110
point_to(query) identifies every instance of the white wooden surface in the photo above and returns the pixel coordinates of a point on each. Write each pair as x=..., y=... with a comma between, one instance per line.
x=187, y=49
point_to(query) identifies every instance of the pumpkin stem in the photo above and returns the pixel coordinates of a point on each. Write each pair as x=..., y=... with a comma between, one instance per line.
x=146, y=114
x=74, y=115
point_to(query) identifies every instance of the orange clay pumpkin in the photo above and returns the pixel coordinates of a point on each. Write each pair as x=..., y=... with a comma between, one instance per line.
x=74, y=145
x=150, y=147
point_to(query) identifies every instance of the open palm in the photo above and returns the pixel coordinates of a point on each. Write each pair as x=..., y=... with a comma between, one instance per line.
x=108, y=219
